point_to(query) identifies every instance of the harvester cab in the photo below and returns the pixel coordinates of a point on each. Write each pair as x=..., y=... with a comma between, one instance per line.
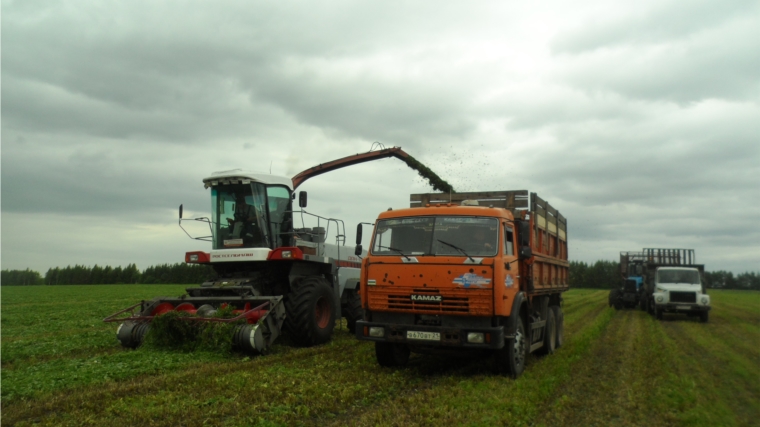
x=269, y=274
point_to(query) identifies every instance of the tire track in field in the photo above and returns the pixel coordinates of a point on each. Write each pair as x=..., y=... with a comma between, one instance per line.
x=79, y=399
x=420, y=406
x=609, y=383
x=726, y=376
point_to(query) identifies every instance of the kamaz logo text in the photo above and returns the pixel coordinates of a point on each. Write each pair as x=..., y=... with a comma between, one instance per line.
x=427, y=298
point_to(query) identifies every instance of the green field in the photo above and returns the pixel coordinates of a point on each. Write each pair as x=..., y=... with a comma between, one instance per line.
x=62, y=366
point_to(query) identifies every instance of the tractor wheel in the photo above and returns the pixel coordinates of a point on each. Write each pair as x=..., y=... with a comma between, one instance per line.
x=559, y=319
x=704, y=316
x=510, y=360
x=614, y=299
x=391, y=354
x=550, y=334
x=353, y=310
x=310, y=309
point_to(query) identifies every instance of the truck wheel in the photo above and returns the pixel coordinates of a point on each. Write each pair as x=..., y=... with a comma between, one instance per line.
x=510, y=360
x=643, y=304
x=310, y=309
x=559, y=319
x=704, y=316
x=658, y=313
x=353, y=309
x=391, y=354
x=550, y=334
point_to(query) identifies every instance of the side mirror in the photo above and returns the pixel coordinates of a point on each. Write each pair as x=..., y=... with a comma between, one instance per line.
x=302, y=199
x=180, y=211
x=359, y=233
x=525, y=252
x=358, y=250
x=523, y=233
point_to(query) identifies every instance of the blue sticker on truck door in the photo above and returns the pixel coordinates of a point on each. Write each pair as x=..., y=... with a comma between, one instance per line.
x=509, y=281
x=470, y=279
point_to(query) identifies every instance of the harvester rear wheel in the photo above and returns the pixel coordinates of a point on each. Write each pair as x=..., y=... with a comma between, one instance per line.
x=353, y=311
x=310, y=308
x=614, y=299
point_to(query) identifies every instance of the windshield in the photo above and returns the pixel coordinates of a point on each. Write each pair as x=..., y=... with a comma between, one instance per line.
x=458, y=236
x=678, y=276
x=241, y=219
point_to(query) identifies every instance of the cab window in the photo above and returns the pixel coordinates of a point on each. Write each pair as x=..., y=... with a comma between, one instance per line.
x=509, y=239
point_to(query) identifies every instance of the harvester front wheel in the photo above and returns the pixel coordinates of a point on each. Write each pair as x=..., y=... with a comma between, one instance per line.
x=353, y=311
x=310, y=308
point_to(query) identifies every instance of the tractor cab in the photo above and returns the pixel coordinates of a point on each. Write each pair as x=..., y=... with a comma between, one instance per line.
x=250, y=210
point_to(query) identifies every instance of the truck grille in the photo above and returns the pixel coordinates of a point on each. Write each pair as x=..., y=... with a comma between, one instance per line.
x=459, y=301
x=683, y=297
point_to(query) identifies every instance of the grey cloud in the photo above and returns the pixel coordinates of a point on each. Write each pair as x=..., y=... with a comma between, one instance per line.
x=664, y=22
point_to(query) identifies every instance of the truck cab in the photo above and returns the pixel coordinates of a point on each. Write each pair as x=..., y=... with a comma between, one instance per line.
x=680, y=290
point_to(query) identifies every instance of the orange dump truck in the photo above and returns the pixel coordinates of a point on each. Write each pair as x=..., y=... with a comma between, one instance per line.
x=463, y=272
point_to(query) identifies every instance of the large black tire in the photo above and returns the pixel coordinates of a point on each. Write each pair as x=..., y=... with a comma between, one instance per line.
x=510, y=360
x=704, y=316
x=658, y=313
x=643, y=304
x=550, y=334
x=310, y=309
x=559, y=318
x=615, y=300
x=353, y=310
x=391, y=354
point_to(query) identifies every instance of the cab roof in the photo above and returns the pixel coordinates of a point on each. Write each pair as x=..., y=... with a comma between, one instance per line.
x=448, y=210
x=239, y=176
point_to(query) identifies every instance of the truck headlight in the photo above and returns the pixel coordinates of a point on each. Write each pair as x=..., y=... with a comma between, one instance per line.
x=704, y=300
x=376, y=331
x=660, y=298
x=194, y=258
x=475, y=337
x=287, y=254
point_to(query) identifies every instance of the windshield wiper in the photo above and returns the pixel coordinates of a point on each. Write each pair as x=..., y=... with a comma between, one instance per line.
x=457, y=248
x=396, y=250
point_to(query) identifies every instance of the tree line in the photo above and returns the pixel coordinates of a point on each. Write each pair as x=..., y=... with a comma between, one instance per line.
x=602, y=274
x=179, y=273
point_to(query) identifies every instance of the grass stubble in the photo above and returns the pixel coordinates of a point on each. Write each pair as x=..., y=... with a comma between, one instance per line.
x=622, y=368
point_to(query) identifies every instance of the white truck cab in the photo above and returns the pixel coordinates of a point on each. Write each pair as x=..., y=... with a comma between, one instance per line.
x=680, y=290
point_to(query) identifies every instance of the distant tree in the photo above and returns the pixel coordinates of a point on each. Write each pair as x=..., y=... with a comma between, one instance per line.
x=20, y=278
x=602, y=274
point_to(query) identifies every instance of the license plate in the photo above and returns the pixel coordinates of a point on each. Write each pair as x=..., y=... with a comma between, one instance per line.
x=428, y=336
x=683, y=307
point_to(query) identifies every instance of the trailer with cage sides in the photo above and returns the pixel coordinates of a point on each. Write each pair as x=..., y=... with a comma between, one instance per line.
x=466, y=272
x=272, y=275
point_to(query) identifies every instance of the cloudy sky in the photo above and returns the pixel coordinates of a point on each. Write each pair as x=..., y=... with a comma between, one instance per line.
x=639, y=121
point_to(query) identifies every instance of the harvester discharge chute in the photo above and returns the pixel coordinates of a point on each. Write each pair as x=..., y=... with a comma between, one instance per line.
x=273, y=275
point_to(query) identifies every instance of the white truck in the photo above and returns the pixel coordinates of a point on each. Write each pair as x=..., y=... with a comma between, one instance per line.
x=675, y=283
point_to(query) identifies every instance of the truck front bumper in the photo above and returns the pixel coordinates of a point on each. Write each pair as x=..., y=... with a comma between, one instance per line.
x=674, y=307
x=436, y=336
